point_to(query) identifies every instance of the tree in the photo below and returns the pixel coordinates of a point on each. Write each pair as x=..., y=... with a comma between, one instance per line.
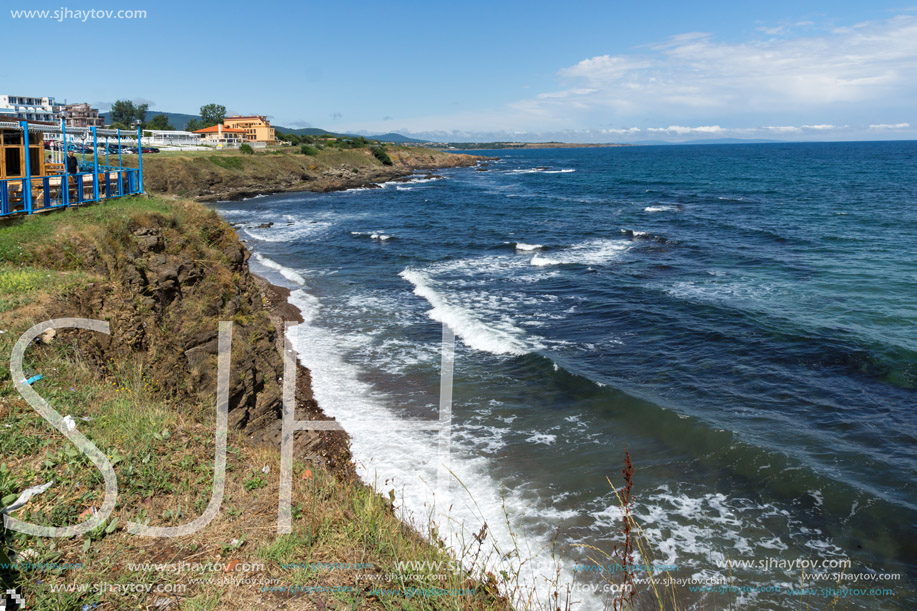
x=194, y=124
x=212, y=114
x=159, y=122
x=291, y=138
x=126, y=112
x=246, y=149
x=380, y=154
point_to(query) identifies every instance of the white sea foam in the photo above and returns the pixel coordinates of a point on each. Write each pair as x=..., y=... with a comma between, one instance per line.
x=497, y=338
x=594, y=252
x=288, y=233
x=542, y=438
x=406, y=460
x=230, y=214
x=528, y=247
x=742, y=292
x=542, y=171
x=661, y=209
x=413, y=180
x=486, y=439
x=290, y=274
x=698, y=532
x=373, y=235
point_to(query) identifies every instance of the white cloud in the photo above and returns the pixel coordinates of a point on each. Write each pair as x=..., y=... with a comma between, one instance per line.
x=890, y=126
x=795, y=85
x=565, y=94
x=681, y=131
x=694, y=72
x=604, y=68
x=694, y=76
x=624, y=131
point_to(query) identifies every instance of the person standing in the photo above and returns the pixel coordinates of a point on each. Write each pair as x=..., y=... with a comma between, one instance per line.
x=73, y=169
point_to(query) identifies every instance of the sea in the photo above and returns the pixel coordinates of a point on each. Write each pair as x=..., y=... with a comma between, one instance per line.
x=741, y=320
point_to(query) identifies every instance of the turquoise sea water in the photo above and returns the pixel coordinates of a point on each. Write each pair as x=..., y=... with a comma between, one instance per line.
x=740, y=318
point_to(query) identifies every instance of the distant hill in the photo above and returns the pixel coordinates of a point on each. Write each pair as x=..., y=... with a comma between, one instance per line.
x=314, y=131
x=308, y=131
x=396, y=138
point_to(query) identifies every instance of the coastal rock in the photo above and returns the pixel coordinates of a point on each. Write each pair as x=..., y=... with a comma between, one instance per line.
x=164, y=294
x=148, y=239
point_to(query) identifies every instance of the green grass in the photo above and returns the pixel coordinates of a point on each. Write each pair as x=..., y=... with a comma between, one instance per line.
x=23, y=238
x=227, y=163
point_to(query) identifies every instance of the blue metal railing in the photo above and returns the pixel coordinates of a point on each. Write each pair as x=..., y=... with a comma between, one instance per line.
x=30, y=194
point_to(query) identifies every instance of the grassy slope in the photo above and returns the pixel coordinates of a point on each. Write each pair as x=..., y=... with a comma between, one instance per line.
x=160, y=440
x=221, y=174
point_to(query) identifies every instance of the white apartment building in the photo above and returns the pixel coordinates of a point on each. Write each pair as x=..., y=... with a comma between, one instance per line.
x=21, y=108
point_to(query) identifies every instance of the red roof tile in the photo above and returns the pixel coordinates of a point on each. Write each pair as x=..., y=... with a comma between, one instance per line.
x=216, y=128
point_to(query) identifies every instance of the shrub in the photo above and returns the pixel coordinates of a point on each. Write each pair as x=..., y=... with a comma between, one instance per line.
x=356, y=142
x=381, y=155
x=246, y=149
x=305, y=149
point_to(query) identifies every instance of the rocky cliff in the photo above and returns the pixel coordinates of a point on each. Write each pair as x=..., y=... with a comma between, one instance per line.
x=229, y=175
x=168, y=280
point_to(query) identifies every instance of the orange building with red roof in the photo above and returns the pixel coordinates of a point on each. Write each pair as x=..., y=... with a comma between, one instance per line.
x=221, y=136
x=257, y=128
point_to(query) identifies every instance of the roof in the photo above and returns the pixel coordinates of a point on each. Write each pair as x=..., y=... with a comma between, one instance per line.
x=238, y=117
x=168, y=132
x=216, y=128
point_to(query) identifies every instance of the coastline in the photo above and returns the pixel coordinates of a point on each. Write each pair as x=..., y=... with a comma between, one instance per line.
x=328, y=447
x=230, y=176
x=374, y=462
x=163, y=273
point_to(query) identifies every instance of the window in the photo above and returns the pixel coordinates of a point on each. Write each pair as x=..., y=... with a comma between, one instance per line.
x=14, y=162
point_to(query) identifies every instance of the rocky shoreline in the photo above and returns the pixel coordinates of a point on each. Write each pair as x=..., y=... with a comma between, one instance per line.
x=210, y=178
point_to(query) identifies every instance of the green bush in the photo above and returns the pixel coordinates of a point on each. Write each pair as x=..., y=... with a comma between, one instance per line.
x=357, y=142
x=305, y=149
x=246, y=149
x=381, y=155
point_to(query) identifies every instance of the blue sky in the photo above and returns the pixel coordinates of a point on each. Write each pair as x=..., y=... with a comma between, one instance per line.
x=585, y=71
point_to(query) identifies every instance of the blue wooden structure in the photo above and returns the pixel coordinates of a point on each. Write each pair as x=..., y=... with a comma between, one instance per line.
x=30, y=184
